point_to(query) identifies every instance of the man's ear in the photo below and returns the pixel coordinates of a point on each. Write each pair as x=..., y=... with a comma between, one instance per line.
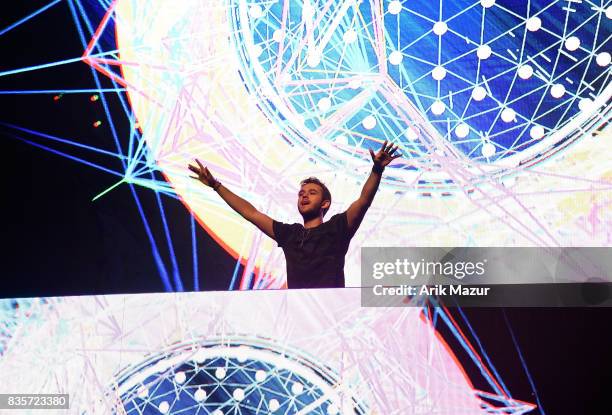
x=326, y=204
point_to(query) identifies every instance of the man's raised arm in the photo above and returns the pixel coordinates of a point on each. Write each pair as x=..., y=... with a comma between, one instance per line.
x=244, y=208
x=359, y=207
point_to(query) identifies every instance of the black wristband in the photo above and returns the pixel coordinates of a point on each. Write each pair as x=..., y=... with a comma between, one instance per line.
x=216, y=185
x=378, y=169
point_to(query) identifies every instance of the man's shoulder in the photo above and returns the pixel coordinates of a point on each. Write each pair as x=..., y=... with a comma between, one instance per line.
x=337, y=216
x=287, y=226
x=283, y=232
x=338, y=223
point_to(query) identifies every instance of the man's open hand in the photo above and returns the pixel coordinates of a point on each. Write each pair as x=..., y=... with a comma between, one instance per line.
x=203, y=174
x=384, y=155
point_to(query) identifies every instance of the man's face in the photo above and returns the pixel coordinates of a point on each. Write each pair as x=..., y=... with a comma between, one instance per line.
x=310, y=200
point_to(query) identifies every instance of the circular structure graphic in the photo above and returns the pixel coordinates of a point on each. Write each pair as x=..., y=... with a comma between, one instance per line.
x=496, y=83
x=477, y=96
x=237, y=377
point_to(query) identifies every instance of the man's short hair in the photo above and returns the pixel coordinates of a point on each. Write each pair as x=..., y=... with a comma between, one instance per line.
x=326, y=192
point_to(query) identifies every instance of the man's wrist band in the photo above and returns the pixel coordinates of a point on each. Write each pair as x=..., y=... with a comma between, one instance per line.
x=378, y=169
x=216, y=185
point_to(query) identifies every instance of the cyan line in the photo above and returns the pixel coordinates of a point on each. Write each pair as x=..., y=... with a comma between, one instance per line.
x=28, y=17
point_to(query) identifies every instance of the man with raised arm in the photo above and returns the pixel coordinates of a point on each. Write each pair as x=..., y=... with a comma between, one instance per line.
x=314, y=251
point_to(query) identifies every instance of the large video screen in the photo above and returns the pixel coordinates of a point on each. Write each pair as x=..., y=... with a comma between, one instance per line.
x=177, y=172
x=300, y=352
x=498, y=110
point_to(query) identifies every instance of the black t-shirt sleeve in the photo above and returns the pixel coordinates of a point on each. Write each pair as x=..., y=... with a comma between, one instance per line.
x=340, y=222
x=281, y=232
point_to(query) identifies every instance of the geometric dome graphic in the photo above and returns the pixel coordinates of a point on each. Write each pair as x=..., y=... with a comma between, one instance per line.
x=232, y=377
x=497, y=83
x=276, y=352
x=491, y=104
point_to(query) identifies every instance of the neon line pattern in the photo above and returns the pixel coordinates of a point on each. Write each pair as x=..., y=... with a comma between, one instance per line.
x=303, y=352
x=501, y=110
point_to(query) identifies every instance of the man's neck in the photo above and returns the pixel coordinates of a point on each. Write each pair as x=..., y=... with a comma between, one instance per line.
x=313, y=222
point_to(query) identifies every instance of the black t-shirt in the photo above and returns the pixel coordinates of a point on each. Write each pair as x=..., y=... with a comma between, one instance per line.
x=315, y=256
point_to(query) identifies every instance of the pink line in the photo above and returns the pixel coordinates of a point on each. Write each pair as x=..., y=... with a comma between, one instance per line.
x=503, y=220
x=563, y=176
x=101, y=27
x=349, y=108
x=120, y=80
x=116, y=62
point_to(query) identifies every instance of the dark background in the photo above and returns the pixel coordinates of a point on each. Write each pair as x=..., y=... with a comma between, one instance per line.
x=57, y=241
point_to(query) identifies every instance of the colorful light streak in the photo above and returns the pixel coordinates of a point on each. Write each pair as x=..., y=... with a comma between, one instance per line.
x=556, y=196
x=436, y=198
x=275, y=117
x=151, y=354
x=563, y=201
